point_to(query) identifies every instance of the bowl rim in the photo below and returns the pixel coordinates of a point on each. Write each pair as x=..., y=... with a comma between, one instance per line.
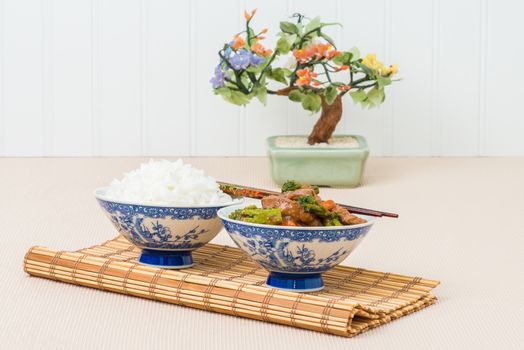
x=370, y=221
x=99, y=193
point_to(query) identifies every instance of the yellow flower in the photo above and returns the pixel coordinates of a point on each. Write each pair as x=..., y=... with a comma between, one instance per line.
x=394, y=69
x=371, y=61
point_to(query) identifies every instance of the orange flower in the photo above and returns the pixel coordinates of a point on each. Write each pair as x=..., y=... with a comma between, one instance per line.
x=304, y=55
x=248, y=16
x=238, y=42
x=321, y=50
x=264, y=31
x=341, y=68
x=344, y=88
x=332, y=54
x=260, y=37
x=318, y=51
x=304, y=76
x=259, y=49
x=316, y=83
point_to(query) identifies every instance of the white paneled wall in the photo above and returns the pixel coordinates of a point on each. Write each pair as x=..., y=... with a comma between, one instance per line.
x=131, y=77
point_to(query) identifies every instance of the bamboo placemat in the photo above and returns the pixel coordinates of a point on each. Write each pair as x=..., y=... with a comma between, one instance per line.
x=225, y=280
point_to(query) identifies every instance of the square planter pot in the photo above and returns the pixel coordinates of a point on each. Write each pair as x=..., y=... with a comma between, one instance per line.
x=322, y=166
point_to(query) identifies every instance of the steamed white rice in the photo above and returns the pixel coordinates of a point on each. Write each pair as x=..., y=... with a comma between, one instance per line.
x=168, y=184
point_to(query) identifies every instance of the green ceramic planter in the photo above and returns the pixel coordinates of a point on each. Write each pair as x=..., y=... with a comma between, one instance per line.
x=340, y=167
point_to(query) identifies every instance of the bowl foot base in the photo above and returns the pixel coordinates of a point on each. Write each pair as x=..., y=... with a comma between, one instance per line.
x=166, y=259
x=295, y=282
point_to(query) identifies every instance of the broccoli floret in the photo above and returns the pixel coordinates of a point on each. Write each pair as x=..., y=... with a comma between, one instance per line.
x=311, y=205
x=332, y=222
x=292, y=185
x=269, y=216
x=237, y=214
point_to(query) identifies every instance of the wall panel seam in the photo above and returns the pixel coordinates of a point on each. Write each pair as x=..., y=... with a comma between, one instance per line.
x=289, y=6
x=96, y=75
x=143, y=77
x=241, y=125
x=2, y=76
x=483, y=67
x=388, y=131
x=192, y=78
x=48, y=77
x=435, y=124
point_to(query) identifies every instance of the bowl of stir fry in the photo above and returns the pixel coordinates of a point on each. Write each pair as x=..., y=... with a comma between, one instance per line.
x=296, y=235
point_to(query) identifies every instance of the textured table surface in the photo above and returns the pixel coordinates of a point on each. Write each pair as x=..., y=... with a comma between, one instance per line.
x=462, y=222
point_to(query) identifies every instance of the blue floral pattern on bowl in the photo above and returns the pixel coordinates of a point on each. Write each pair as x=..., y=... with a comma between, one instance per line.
x=163, y=229
x=295, y=250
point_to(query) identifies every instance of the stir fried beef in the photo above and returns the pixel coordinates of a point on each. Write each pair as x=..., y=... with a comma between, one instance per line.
x=291, y=210
x=298, y=205
x=346, y=217
x=301, y=193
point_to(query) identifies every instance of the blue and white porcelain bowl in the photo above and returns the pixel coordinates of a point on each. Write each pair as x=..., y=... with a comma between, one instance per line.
x=166, y=235
x=295, y=256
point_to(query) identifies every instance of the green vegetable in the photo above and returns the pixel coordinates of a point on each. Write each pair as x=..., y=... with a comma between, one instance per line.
x=269, y=216
x=292, y=185
x=332, y=222
x=311, y=205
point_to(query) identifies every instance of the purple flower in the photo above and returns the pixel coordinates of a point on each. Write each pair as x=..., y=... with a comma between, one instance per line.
x=228, y=51
x=241, y=60
x=256, y=60
x=218, y=80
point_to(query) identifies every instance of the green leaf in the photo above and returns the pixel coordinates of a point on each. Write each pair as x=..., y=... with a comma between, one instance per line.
x=343, y=59
x=258, y=68
x=296, y=95
x=291, y=38
x=278, y=74
x=328, y=38
x=283, y=46
x=355, y=53
x=322, y=25
x=330, y=94
x=223, y=91
x=383, y=81
x=288, y=27
x=261, y=94
x=237, y=98
x=375, y=96
x=313, y=24
x=312, y=102
x=365, y=104
x=367, y=70
x=287, y=72
x=358, y=96
x=338, y=60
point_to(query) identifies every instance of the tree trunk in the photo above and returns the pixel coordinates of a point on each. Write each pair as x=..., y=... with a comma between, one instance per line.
x=326, y=124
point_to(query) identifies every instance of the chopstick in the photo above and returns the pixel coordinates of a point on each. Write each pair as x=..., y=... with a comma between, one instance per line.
x=253, y=192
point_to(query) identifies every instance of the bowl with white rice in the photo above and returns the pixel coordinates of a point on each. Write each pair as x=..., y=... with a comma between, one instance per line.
x=167, y=209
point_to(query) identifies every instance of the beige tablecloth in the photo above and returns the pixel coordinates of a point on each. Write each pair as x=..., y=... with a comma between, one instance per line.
x=462, y=222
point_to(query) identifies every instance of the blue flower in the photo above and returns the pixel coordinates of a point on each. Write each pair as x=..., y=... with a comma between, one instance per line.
x=241, y=60
x=256, y=60
x=218, y=80
x=227, y=52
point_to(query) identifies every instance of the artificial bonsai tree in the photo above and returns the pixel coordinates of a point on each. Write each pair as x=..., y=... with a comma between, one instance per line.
x=318, y=76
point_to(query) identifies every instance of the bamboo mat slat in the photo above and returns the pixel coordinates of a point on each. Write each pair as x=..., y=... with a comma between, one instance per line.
x=225, y=280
